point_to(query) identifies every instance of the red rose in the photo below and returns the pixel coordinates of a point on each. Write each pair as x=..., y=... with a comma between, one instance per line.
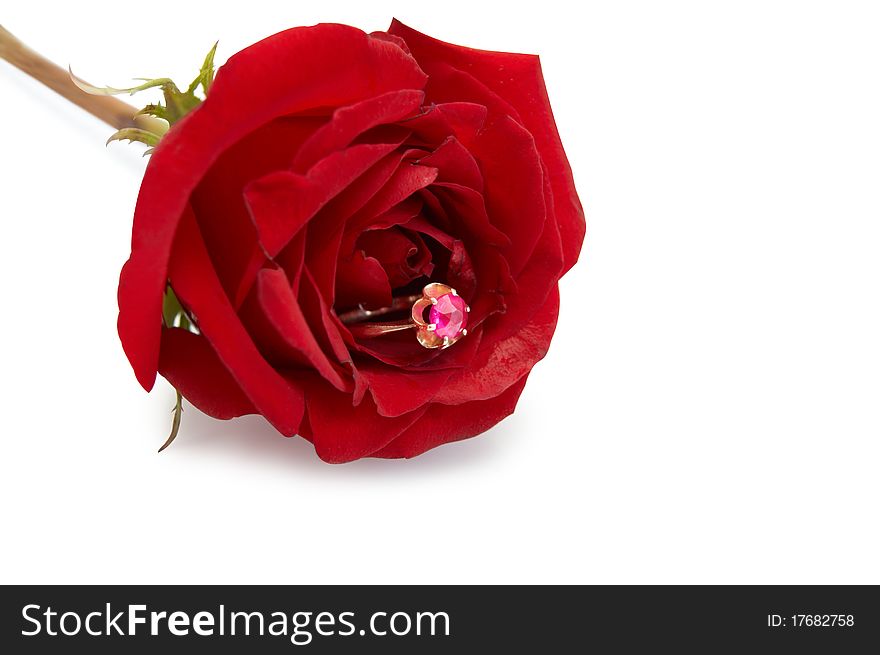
x=329, y=168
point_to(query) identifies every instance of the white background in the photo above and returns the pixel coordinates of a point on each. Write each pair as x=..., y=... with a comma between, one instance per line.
x=708, y=411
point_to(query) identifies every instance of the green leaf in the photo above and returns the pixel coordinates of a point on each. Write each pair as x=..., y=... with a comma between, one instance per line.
x=133, y=134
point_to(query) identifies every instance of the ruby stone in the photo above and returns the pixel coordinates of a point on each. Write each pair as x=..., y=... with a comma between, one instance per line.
x=449, y=314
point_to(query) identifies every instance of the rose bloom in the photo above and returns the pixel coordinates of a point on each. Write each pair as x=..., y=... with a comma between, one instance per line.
x=327, y=170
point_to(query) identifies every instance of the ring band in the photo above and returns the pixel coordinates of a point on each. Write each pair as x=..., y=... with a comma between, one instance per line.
x=446, y=324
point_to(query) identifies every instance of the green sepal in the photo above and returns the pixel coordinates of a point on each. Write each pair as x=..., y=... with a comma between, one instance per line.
x=174, y=314
x=133, y=134
x=206, y=74
x=113, y=91
x=156, y=111
x=177, y=104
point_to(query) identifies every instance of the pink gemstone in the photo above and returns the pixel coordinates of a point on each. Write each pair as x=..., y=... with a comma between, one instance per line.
x=449, y=315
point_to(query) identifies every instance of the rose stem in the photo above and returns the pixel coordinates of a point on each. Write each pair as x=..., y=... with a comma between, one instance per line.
x=110, y=110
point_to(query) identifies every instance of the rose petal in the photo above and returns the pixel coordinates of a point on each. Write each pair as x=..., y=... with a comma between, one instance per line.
x=455, y=164
x=461, y=272
x=447, y=84
x=435, y=211
x=493, y=281
x=419, y=262
x=292, y=258
x=283, y=312
x=342, y=432
x=403, y=257
x=463, y=120
x=467, y=210
x=406, y=180
x=421, y=225
x=535, y=283
x=352, y=120
x=435, y=428
x=396, y=40
x=514, y=187
x=397, y=391
x=282, y=202
x=401, y=213
x=324, y=323
x=361, y=280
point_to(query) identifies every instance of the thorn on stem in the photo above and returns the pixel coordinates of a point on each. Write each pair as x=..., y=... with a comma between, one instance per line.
x=175, y=423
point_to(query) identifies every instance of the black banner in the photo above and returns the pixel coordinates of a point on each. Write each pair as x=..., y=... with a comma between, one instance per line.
x=447, y=619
